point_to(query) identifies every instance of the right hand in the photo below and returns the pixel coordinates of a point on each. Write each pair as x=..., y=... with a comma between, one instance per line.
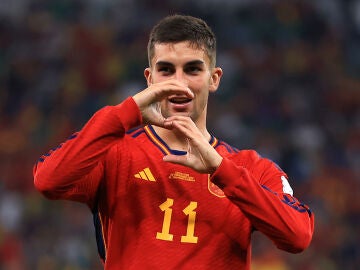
x=200, y=155
x=149, y=99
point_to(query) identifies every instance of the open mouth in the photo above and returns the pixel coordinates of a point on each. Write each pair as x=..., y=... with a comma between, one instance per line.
x=180, y=100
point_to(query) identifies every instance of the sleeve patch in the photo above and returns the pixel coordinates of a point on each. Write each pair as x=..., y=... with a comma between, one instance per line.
x=286, y=186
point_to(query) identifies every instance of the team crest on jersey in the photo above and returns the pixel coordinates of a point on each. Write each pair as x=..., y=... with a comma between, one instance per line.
x=215, y=190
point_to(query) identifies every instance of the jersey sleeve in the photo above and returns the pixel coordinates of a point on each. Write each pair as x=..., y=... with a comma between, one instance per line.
x=74, y=169
x=262, y=192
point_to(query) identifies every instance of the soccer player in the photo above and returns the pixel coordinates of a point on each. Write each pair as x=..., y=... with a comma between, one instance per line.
x=164, y=192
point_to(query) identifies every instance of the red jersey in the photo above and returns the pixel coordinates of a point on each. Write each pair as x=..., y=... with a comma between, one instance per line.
x=150, y=214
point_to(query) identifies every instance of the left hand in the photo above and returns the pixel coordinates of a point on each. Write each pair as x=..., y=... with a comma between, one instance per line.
x=201, y=156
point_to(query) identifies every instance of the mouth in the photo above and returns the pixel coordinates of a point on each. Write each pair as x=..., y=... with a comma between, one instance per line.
x=180, y=104
x=179, y=100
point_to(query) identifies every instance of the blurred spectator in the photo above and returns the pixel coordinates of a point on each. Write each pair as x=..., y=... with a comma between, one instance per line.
x=292, y=70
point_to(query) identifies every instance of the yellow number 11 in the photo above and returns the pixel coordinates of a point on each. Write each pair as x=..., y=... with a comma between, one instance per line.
x=189, y=211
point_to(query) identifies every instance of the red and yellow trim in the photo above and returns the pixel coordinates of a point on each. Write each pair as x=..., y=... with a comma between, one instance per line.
x=215, y=142
x=156, y=141
x=162, y=145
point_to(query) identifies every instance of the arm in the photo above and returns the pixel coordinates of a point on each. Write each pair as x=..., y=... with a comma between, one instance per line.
x=258, y=192
x=256, y=188
x=73, y=170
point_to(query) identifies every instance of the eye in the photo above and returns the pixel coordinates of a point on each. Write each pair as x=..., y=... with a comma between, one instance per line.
x=165, y=70
x=193, y=69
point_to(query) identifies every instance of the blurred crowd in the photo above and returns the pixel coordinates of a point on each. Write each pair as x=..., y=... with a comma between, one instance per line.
x=291, y=90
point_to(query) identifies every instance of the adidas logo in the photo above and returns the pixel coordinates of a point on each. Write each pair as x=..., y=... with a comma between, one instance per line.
x=145, y=174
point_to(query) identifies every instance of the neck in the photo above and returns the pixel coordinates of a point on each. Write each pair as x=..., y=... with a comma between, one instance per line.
x=175, y=140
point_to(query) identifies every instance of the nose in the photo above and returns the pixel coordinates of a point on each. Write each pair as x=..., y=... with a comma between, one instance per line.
x=180, y=76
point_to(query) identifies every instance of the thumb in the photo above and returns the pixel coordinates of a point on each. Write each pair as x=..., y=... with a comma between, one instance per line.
x=158, y=120
x=152, y=115
x=176, y=159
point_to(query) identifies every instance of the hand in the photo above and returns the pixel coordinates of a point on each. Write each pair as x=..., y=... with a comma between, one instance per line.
x=201, y=156
x=149, y=99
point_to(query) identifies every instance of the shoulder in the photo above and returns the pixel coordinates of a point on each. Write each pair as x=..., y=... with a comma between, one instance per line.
x=267, y=172
x=133, y=138
x=234, y=153
x=248, y=158
x=135, y=132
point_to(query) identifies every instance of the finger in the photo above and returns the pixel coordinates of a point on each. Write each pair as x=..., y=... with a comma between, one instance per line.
x=162, y=91
x=173, y=82
x=158, y=91
x=176, y=159
x=184, y=125
x=158, y=119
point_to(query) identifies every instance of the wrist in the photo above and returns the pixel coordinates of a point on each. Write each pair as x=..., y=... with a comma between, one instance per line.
x=216, y=164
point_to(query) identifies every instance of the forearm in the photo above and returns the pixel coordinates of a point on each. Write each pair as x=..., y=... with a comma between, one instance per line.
x=281, y=217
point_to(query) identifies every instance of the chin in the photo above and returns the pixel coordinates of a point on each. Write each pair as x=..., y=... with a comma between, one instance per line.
x=188, y=114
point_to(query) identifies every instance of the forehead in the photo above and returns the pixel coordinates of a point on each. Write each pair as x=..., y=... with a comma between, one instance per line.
x=178, y=53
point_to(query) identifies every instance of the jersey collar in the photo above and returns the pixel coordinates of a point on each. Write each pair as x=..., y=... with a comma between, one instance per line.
x=155, y=138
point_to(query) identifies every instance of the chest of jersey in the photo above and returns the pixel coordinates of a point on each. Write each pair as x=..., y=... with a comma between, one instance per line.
x=173, y=203
x=156, y=209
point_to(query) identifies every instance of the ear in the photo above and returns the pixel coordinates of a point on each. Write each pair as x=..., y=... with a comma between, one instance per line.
x=147, y=74
x=215, y=79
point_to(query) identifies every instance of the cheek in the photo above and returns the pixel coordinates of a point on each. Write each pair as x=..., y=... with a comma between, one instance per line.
x=199, y=85
x=155, y=79
x=202, y=99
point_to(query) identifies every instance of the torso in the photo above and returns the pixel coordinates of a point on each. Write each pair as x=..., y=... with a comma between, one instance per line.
x=165, y=216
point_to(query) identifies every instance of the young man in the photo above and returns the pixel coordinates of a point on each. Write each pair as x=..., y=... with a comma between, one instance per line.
x=164, y=192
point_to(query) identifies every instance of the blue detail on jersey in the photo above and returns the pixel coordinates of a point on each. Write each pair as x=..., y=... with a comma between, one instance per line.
x=228, y=147
x=276, y=165
x=73, y=136
x=41, y=159
x=212, y=139
x=163, y=144
x=178, y=152
x=134, y=132
x=158, y=137
x=290, y=201
x=268, y=189
x=99, y=235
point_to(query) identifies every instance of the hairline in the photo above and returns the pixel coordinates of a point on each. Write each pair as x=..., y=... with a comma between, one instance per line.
x=212, y=60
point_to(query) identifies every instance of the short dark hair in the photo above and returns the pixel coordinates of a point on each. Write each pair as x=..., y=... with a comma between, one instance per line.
x=178, y=28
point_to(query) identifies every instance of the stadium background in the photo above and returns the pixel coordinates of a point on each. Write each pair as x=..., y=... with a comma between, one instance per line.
x=291, y=90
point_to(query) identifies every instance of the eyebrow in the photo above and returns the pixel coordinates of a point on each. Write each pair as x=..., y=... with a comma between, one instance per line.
x=191, y=63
